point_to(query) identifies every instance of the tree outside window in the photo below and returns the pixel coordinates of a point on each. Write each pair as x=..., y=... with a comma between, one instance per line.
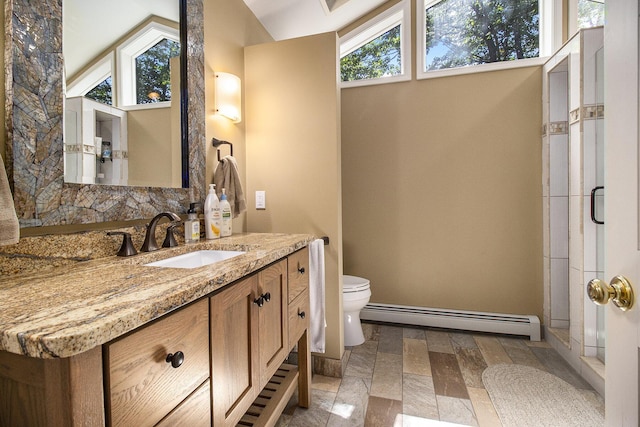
x=102, y=92
x=153, y=72
x=380, y=57
x=590, y=13
x=470, y=32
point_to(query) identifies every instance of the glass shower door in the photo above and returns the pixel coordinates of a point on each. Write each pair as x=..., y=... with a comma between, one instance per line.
x=598, y=201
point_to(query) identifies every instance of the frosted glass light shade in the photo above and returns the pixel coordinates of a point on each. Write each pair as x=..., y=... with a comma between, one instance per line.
x=228, y=96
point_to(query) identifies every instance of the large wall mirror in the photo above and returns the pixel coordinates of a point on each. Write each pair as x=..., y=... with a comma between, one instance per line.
x=40, y=157
x=122, y=93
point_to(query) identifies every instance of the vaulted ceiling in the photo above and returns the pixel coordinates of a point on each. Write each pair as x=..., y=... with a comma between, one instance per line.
x=90, y=26
x=285, y=19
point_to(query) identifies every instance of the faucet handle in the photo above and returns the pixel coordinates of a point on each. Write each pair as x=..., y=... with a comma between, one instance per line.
x=170, y=239
x=126, y=249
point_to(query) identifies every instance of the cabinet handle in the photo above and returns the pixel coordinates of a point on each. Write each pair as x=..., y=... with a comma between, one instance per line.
x=176, y=359
x=300, y=269
x=267, y=296
x=301, y=314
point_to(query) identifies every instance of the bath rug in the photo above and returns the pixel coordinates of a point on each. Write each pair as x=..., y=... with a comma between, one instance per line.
x=524, y=396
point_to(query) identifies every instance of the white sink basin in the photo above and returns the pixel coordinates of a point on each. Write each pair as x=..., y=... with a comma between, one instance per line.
x=195, y=259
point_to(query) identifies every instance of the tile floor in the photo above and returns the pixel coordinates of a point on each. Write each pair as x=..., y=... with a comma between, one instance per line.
x=419, y=376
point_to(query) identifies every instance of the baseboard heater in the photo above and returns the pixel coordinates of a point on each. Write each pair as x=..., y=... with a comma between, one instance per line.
x=498, y=323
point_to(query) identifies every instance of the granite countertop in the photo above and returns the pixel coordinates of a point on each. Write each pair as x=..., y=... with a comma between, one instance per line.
x=68, y=310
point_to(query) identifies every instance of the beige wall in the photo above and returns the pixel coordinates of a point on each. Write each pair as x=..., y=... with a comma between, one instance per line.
x=229, y=26
x=293, y=151
x=149, y=140
x=441, y=184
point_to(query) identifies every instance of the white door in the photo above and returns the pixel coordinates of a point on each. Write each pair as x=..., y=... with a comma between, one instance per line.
x=622, y=255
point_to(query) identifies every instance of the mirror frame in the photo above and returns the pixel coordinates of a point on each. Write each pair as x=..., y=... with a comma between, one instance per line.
x=34, y=125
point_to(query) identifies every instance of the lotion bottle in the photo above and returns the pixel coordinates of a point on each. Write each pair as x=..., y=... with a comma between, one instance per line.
x=225, y=211
x=192, y=225
x=212, y=214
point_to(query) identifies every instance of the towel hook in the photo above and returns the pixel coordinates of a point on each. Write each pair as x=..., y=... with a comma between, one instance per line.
x=218, y=142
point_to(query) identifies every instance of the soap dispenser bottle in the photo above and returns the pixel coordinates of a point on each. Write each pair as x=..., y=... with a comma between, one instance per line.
x=225, y=211
x=212, y=214
x=192, y=225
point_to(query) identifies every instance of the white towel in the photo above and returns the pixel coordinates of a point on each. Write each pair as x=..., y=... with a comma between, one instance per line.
x=9, y=225
x=226, y=176
x=316, y=296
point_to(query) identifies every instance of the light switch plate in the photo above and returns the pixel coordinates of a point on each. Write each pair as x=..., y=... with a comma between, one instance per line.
x=261, y=201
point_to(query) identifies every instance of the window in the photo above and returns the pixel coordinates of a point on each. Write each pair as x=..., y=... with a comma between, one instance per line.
x=378, y=51
x=96, y=82
x=153, y=72
x=140, y=76
x=590, y=13
x=143, y=65
x=464, y=33
x=378, y=58
x=102, y=92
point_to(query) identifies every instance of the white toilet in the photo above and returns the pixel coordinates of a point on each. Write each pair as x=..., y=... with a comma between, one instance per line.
x=355, y=295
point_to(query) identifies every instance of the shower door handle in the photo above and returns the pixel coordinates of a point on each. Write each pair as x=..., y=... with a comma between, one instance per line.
x=620, y=291
x=593, y=205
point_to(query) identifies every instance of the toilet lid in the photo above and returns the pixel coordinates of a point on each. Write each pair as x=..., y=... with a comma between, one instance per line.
x=354, y=284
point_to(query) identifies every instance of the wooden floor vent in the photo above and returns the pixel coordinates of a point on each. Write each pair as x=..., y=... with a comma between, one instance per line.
x=266, y=409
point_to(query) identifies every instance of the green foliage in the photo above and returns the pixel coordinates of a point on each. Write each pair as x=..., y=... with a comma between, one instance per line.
x=102, y=92
x=153, y=73
x=469, y=32
x=377, y=58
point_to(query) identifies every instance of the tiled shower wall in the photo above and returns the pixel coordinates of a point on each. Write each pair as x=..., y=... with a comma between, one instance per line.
x=573, y=147
x=559, y=198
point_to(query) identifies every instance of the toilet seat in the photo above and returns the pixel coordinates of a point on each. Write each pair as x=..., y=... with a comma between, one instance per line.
x=351, y=284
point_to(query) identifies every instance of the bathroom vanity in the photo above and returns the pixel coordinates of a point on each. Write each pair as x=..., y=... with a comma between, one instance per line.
x=116, y=342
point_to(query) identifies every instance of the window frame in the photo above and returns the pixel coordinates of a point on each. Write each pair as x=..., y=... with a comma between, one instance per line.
x=573, y=17
x=90, y=78
x=550, y=40
x=128, y=51
x=399, y=14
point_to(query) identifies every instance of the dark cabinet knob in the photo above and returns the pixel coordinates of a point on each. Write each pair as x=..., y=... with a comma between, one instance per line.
x=262, y=299
x=302, y=314
x=300, y=269
x=176, y=359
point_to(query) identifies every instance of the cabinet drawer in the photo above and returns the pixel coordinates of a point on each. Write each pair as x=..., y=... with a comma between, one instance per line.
x=193, y=412
x=298, y=317
x=298, y=270
x=142, y=387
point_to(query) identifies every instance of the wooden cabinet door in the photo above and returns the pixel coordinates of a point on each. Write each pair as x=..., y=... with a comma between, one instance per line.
x=234, y=351
x=273, y=315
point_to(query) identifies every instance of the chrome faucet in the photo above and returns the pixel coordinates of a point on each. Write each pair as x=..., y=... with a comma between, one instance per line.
x=150, y=244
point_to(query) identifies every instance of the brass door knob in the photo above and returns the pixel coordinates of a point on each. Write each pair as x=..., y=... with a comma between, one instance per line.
x=620, y=291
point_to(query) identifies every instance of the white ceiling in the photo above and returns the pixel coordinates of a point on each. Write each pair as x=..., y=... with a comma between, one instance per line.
x=90, y=26
x=285, y=19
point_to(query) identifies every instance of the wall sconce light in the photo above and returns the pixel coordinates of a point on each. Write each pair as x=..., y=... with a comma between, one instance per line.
x=228, y=96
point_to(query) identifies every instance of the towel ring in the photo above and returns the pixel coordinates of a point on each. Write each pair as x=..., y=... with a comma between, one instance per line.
x=218, y=142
